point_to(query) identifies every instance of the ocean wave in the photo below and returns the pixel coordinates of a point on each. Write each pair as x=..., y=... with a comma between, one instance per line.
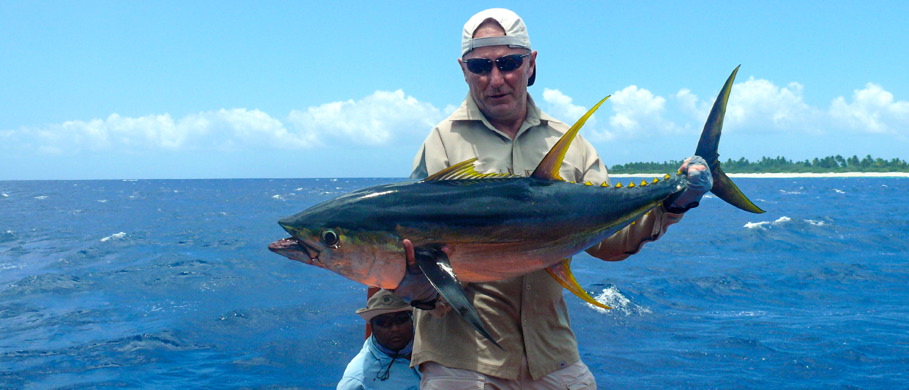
x=766, y=224
x=785, y=221
x=611, y=296
x=115, y=236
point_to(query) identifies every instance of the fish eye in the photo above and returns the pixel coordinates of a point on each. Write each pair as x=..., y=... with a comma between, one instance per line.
x=331, y=239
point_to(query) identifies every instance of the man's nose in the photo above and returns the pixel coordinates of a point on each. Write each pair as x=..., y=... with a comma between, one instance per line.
x=496, y=77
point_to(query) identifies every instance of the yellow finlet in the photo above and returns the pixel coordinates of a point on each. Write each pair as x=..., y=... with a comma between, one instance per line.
x=605, y=184
x=666, y=177
x=561, y=272
x=631, y=185
x=588, y=183
x=618, y=185
x=643, y=183
x=549, y=166
x=655, y=180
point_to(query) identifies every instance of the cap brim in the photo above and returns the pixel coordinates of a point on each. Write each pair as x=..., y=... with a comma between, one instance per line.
x=368, y=315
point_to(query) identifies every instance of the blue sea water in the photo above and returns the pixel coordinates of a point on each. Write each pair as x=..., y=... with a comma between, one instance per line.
x=168, y=284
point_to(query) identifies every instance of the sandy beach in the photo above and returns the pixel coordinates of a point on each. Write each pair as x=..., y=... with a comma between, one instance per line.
x=787, y=175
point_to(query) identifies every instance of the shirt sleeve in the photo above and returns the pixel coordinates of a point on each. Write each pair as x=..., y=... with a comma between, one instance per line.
x=350, y=383
x=628, y=241
x=431, y=157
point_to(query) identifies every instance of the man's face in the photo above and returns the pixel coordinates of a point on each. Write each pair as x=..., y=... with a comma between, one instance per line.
x=502, y=97
x=393, y=330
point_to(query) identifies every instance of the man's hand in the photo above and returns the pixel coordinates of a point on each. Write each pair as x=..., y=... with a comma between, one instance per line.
x=415, y=288
x=700, y=181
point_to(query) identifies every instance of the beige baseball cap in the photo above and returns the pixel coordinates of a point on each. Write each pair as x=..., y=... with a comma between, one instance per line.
x=382, y=302
x=516, y=35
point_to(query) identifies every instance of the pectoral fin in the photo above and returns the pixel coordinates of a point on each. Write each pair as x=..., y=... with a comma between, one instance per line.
x=561, y=272
x=435, y=265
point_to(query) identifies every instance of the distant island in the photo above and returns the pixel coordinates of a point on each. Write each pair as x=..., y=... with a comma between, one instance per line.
x=831, y=164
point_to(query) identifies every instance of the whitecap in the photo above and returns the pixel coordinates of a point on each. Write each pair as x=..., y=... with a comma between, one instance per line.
x=815, y=223
x=612, y=297
x=277, y=197
x=115, y=236
x=765, y=224
x=839, y=191
x=3, y=194
x=756, y=225
x=41, y=197
x=102, y=200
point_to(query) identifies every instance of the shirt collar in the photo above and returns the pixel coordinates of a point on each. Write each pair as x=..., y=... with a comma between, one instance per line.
x=384, y=353
x=468, y=111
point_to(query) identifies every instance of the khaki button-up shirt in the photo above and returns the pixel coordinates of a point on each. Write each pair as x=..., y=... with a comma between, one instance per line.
x=527, y=315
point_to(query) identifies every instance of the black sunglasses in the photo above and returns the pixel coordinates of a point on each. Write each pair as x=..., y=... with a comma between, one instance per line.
x=387, y=321
x=505, y=64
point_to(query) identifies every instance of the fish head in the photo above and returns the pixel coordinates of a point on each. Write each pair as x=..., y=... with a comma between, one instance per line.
x=308, y=245
x=372, y=257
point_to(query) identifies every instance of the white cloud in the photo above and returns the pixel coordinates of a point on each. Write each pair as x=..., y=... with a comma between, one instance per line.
x=222, y=129
x=758, y=106
x=638, y=114
x=385, y=117
x=872, y=110
x=374, y=120
x=560, y=106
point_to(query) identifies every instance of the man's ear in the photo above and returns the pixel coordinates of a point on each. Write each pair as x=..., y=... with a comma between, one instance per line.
x=463, y=68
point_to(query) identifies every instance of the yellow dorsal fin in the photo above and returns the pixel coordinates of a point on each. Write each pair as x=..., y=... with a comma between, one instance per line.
x=561, y=272
x=549, y=167
x=465, y=170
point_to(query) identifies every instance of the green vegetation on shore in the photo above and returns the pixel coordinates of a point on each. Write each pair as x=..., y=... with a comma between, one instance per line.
x=779, y=165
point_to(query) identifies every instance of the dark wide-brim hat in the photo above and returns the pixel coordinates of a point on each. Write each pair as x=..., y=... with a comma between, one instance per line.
x=383, y=302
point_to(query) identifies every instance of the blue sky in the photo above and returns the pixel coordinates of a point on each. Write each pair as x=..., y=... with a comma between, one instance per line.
x=116, y=90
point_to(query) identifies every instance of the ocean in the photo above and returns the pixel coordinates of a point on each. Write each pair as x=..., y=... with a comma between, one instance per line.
x=169, y=284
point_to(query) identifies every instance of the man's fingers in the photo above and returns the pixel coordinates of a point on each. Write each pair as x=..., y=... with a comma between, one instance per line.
x=409, y=254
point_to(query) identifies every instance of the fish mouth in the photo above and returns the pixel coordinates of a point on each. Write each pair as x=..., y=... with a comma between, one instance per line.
x=296, y=249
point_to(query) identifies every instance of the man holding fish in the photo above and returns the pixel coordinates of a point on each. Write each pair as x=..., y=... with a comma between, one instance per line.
x=530, y=342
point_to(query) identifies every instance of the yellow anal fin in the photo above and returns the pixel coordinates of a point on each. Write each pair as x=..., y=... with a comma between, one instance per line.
x=561, y=272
